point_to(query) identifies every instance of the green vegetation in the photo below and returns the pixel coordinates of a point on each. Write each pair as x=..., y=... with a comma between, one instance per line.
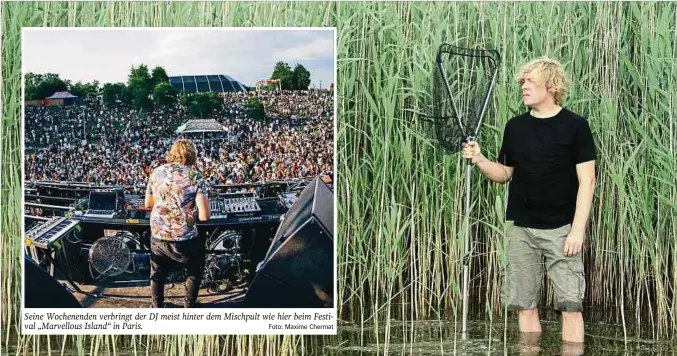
x=291, y=79
x=254, y=109
x=40, y=86
x=201, y=104
x=400, y=198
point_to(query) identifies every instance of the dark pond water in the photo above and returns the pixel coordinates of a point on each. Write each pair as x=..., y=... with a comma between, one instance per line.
x=485, y=338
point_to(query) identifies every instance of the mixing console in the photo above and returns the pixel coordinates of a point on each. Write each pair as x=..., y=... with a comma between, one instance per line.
x=217, y=207
x=242, y=205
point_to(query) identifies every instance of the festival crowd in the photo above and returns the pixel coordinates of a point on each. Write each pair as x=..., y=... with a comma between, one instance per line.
x=117, y=145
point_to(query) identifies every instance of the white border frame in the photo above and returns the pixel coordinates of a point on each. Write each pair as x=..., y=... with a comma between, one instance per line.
x=197, y=328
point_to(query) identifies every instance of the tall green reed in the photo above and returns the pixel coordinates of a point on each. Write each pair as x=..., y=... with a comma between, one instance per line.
x=399, y=196
x=402, y=224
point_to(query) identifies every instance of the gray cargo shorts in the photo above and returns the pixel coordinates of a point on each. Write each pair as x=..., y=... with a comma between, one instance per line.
x=529, y=250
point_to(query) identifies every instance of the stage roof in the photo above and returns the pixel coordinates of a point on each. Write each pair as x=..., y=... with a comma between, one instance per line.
x=218, y=83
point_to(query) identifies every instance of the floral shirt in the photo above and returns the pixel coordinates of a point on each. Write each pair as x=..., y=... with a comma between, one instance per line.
x=174, y=188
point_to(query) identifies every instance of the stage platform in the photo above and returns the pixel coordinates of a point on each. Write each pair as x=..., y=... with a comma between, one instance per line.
x=134, y=292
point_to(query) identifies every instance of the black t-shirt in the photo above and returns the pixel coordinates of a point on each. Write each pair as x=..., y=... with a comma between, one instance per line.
x=544, y=153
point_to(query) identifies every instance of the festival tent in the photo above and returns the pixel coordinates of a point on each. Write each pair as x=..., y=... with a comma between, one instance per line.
x=62, y=97
x=198, y=127
x=201, y=126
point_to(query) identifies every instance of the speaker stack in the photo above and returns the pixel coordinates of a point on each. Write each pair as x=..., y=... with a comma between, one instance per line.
x=298, y=270
x=43, y=291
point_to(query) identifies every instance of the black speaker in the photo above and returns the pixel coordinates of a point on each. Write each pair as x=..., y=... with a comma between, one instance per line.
x=298, y=270
x=71, y=260
x=43, y=291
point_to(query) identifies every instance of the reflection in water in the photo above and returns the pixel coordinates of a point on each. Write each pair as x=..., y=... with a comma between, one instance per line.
x=444, y=338
x=529, y=344
x=572, y=348
x=484, y=338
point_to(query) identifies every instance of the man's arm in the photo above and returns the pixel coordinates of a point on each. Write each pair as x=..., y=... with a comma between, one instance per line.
x=202, y=198
x=149, y=197
x=203, y=211
x=586, y=191
x=493, y=170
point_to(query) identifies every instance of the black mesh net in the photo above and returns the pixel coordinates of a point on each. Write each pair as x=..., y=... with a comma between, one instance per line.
x=462, y=83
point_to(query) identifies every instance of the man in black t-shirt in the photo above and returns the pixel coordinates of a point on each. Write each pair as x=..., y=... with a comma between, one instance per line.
x=548, y=156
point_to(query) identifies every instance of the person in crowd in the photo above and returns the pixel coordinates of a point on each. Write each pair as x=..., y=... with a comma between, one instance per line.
x=112, y=145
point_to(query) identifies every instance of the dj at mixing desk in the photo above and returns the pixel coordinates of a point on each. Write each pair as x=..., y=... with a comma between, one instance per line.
x=223, y=212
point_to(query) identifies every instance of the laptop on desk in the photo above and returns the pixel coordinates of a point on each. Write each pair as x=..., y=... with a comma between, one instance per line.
x=102, y=205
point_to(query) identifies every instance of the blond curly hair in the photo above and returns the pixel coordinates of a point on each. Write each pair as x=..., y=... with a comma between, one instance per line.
x=183, y=151
x=549, y=72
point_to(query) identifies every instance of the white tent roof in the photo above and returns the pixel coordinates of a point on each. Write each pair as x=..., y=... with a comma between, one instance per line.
x=200, y=125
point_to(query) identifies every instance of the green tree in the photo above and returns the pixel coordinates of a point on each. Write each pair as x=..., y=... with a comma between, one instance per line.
x=78, y=89
x=201, y=104
x=125, y=95
x=159, y=75
x=140, y=86
x=31, y=81
x=85, y=90
x=164, y=94
x=301, y=77
x=254, y=109
x=140, y=97
x=113, y=92
x=94, y=88
x=40, y=86
x=284, y=73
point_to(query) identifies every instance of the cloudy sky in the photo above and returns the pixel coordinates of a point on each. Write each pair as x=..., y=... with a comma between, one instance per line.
x=107, y=55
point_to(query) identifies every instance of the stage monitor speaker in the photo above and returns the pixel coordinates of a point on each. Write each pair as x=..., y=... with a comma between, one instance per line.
x=71, y=259
x=43, y=291
x=298, y=270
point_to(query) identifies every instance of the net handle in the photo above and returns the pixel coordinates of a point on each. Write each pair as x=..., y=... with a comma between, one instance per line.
x=468, y=161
